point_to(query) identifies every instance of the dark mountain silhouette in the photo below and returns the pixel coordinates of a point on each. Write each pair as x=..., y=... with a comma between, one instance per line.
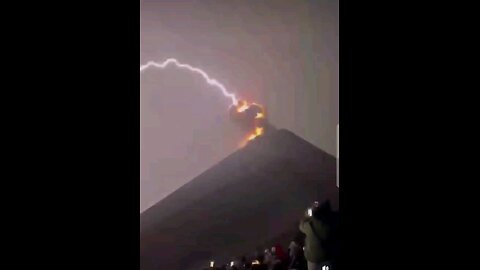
x=252, y=199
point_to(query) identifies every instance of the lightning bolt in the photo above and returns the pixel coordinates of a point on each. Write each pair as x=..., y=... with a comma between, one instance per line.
x=208, y=79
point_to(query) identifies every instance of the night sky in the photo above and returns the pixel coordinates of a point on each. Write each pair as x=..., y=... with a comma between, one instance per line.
x=280, y=53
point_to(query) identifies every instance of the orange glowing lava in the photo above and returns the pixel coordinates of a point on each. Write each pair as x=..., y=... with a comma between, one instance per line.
x=251, y=113
x=242, y=106
x=258, y=132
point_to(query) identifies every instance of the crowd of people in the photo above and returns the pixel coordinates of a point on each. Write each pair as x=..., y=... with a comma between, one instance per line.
x=315, y=247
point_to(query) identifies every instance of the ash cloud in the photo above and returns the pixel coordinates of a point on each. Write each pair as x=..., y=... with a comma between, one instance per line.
x=249, y=119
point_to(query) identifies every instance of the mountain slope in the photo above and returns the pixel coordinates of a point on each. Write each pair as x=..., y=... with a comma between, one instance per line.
x=251, y=198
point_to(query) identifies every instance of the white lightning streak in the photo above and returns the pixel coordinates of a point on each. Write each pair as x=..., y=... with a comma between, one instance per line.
x=205, y=76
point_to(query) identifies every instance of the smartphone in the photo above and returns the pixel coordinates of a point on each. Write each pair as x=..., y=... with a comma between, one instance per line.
x=310, y=213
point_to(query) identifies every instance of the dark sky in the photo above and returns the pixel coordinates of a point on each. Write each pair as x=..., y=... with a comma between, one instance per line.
x=280, y=53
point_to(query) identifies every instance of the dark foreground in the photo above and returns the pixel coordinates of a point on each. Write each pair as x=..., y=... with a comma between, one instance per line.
x=251, y=200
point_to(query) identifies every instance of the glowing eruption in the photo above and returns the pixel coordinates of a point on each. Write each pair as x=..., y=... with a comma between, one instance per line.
x=252, y=117
x=258, y=132
x=208, y=79
x=242, y=106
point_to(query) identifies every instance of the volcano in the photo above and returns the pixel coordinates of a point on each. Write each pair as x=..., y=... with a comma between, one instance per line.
x=249, y=201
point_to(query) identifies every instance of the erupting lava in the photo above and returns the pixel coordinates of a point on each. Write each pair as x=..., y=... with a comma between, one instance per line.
x=242, y=106
x=252, y=117
x=258, y=132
